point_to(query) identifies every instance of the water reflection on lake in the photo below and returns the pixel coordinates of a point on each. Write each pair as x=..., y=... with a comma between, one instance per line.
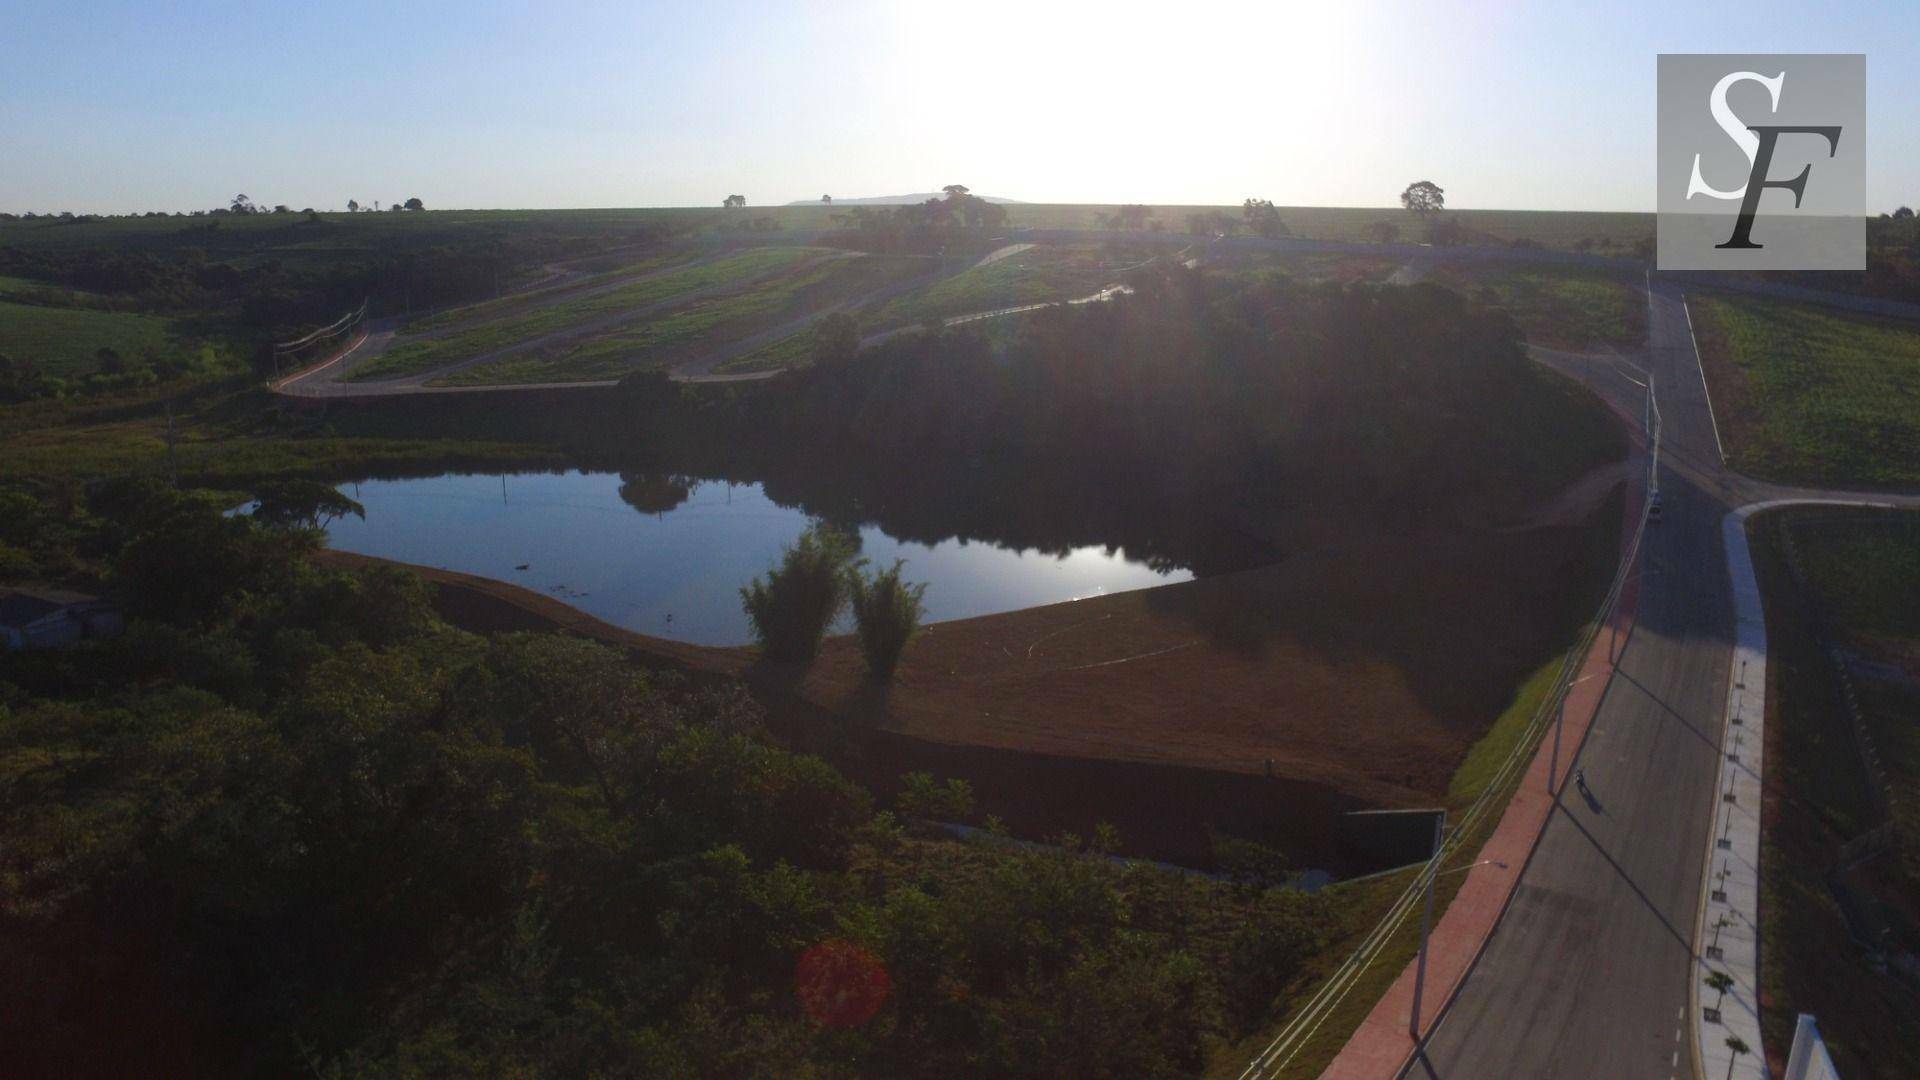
x=677, y=573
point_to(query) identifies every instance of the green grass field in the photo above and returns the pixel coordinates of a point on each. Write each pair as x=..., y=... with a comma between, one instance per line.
x=537, y=294
x=1803, y=394
x=1862, y=570
x=1559, y=306
x=1037, y=275
x=428, y=353
x=64, y=341
x=699, y=327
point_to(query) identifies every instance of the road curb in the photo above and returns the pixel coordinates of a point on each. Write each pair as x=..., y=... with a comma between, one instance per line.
x=1706, y=391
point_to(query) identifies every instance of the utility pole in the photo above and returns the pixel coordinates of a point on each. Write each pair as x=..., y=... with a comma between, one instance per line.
x=173, y=469
x=1426, y=924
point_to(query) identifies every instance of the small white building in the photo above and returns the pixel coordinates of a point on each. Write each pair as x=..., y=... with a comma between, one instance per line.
x=36, y=618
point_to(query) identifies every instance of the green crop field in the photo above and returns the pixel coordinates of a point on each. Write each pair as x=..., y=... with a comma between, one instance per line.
x=701, y=326
x=338, y=234
x=64, y=342
x=1563, y=230
x=1806, y=395
x=426, y=354
x=1567, y=307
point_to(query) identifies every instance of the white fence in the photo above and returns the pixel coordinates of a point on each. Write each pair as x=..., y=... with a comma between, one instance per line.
x=1809, y=1060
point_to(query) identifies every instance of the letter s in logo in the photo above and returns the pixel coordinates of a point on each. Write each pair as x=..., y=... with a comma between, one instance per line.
x=1748, y=142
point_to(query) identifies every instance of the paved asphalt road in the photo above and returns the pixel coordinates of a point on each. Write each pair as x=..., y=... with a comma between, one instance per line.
x=1587, y=974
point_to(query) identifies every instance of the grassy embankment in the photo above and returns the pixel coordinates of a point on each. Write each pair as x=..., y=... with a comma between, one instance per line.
x=426, y=354
x=1862, y=570
x=1361, y=904
x=222, y=433
x=66, y=342
x=700, y=327
x=1803, y=394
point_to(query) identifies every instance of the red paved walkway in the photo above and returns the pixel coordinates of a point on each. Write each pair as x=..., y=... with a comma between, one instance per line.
x=1381, y=1045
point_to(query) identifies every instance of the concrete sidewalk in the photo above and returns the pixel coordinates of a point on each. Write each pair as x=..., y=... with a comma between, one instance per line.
x=1383, y=1045
x=1727, y=933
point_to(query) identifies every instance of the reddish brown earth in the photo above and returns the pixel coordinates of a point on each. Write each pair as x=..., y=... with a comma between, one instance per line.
x=1364, y=669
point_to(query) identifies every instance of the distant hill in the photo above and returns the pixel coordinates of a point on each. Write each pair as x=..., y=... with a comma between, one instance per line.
x=897, y=200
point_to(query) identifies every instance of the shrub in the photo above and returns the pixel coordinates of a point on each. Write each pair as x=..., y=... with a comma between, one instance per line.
x=801, y=597
x=923, y=796
x=887, y=612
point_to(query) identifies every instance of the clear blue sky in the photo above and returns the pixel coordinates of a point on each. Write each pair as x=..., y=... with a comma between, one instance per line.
x=113, y=107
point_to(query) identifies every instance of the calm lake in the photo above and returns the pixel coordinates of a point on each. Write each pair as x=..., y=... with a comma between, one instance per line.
x=675, y=569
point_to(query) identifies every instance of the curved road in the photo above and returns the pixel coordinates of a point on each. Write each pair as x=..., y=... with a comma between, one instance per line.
x=1588, y=973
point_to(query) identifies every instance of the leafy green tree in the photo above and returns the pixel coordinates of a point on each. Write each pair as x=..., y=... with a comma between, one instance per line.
x=1248, y=863
x=1739, y=1046
x=302, y=505
x=1267, y=948
x=1423, y=198
x=886, y=614
x=791, y=610
x=193, y=562
x=1263, y=219
x=923, y=796
x=1722, y=982
x=415, y=204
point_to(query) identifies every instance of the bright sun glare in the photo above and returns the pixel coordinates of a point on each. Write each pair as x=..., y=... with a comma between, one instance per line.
x=1053, y=97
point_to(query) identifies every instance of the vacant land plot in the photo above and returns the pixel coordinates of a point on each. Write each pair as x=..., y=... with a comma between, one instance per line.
x=536, y=296
x=66, y=342
x=1841, y=580
x=1559, y=306
x=1036, y=275
x=1806, y=395
x=427, y=352
x=703, y=327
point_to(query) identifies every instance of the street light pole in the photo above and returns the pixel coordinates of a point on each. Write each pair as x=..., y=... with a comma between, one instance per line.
x=1426, y=924
x=1559, y=721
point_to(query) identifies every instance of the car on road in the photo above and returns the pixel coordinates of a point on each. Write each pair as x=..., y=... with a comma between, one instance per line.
x=1653, y=507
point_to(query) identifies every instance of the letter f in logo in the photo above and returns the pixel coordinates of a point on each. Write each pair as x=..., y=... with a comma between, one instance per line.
x=1757, y=142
